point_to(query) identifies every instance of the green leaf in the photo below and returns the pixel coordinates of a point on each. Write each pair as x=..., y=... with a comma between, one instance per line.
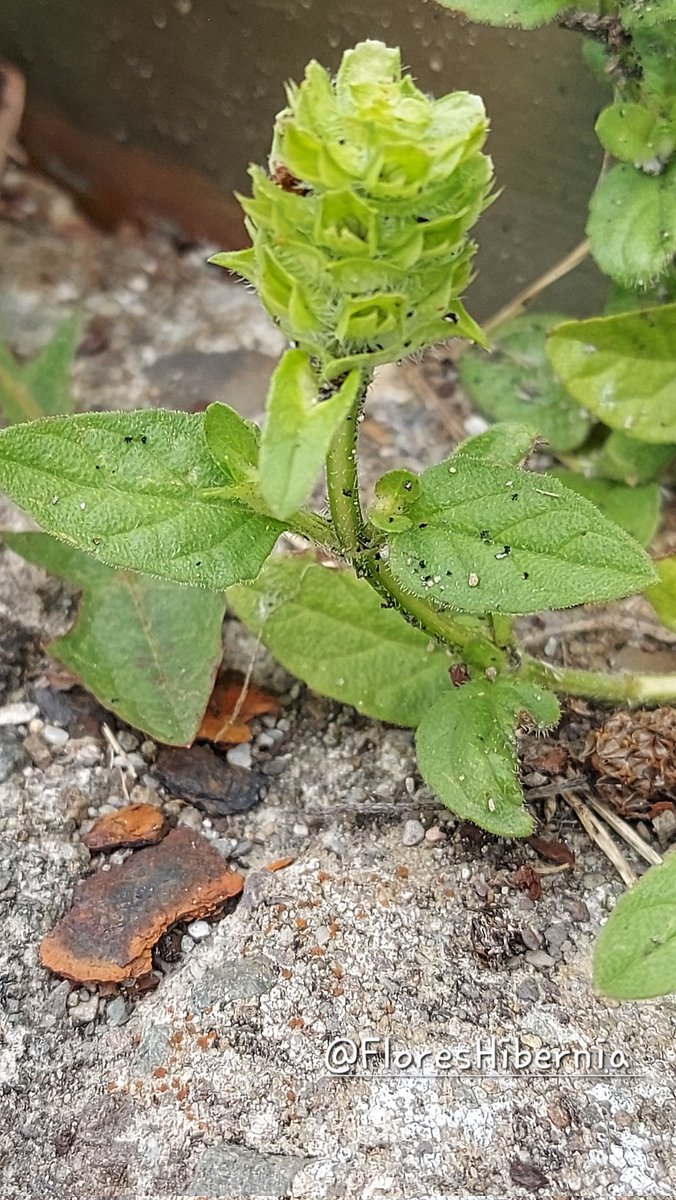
x=232, y=442
x=40, y=388
x=331, y=630
x=527, y=14
x=137, y=490
x=635, y=955
x=662, y=595
x=647, y=13
x=298, y=431
x=147, y=649
x=505, y=443
x=623, y=369
x=635, y=134
x=517, y=383
x=624, y=459
x=395, y=491
x=634, y=509
x=489, y=538
x=632, y=224
x=622, y=299
x=466, y=751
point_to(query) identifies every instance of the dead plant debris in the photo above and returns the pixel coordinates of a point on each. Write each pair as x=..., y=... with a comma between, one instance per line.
x=633, y=755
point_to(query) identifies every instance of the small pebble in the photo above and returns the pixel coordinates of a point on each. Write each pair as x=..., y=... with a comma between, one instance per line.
x=148, y=750
x=240, y=756
x=11, y=753
x=322, y=935
x=550, y=647
x=435, y=834
x=578, y=910
x=242, y=848
x=85, y=1010
x=37, y=750
x=117, y=1012
x=187, y=944
x=190, y=817
x=128, y=741
x=86, y=751
x=413, y=833
x=226, y=846
x=199, y=930
x=532, y=940
x=54, y=735
x=538, y=958
x=18, y=714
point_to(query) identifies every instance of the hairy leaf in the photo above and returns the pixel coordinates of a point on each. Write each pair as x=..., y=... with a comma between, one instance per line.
x=635, y=134
x=623, y=369
x=489, y=538
x=330, y=629
x=632, y=224
x=662, y=595
x=635, y=509
x=137, y=490
x=647, y=13
x=232, y=442
x=466, y=751
x=147, y=649
x=505, y=443
x=40, y=388
x=635, y=956
x=395, y=491
x=298, y=431
x=517, y=383
x=524, y=13
x=624, y=459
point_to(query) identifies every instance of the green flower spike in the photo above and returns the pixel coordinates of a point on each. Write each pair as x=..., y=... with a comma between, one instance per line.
x=360, y=249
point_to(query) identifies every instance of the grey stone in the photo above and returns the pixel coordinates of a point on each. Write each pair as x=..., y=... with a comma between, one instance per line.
x=539, y=958
x=154, y=1049
x=11, y=753
x=85, y=1010
x=240, y=756
x=117, y=1011
x=54, y=735
x=413, y=833
x=240, y=1173
x=18, y=714
x=199, y=930
x=235, y=979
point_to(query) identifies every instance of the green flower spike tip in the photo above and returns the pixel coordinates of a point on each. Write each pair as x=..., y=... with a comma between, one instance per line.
x=360, y=231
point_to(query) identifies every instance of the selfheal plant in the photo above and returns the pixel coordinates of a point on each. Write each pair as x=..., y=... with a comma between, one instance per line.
x=360, y=252
x=364, y=254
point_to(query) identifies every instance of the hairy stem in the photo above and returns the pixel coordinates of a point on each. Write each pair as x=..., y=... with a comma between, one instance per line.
x=625, y=687
x=352, y=536
x=440, y=625
x=342, y=482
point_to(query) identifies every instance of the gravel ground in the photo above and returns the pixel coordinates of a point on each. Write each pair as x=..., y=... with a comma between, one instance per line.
x=393, y=924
